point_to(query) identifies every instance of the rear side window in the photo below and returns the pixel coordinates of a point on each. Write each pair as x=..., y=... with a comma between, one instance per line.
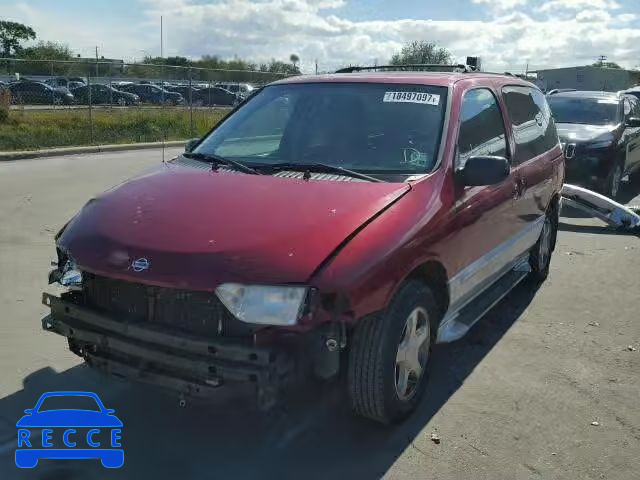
x=533, y=128
x=481, y=127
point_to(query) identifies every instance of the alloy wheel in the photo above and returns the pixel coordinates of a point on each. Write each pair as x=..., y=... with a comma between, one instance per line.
x=412, y=354
x=544, y=252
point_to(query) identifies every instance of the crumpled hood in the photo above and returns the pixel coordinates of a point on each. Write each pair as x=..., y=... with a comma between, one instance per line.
x=198, y=228
x=579, y=133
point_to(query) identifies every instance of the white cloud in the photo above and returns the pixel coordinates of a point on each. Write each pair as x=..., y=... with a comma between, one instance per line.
x=556, y=5
x=626, y=17
x=593, y=16
x=277, y=28
x=503, y=4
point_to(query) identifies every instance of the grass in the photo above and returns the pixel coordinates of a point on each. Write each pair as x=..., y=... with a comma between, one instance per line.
x=34, y=129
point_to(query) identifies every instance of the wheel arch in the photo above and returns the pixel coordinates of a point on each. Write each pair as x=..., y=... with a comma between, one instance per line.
x=433, y=274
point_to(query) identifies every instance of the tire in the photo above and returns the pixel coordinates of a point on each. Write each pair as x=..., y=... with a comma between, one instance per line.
x=373, y=375
x=57, y=101
x=634, y=178
x=540, y=257
x=612, y=183
x=122, y=102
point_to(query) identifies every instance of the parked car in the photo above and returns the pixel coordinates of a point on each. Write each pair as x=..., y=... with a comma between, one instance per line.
x=600, y=133
x=73, y=84
x=365, y=218
x=191, y=95
x=635, y=91
x=104, y=94
x=242, y=89
x=153, y=94
x=210, y=96
x=29, y=92
x=560, y=90
x=69, y=83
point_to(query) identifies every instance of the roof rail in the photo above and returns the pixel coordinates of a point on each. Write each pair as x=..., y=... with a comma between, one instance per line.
x=411, y=67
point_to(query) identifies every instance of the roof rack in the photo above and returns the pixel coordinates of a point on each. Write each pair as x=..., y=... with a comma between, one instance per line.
x=412, y=67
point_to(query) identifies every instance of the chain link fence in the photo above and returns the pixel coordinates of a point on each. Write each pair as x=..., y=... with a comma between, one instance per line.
x=49, y=103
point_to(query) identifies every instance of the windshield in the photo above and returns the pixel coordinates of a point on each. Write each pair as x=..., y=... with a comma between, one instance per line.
x=385, y=128
x=591, y=111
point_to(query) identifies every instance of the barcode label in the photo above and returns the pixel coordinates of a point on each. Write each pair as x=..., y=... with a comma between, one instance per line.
x=412, y=97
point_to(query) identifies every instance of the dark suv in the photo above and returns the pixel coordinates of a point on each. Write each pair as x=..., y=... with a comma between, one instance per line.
x=340, y=222
x=600, y=134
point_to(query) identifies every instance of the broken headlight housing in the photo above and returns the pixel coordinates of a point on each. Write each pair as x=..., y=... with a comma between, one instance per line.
x=67, y=274
x=264, y=304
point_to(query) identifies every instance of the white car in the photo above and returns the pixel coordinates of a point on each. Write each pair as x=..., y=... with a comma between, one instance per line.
x=243, y=89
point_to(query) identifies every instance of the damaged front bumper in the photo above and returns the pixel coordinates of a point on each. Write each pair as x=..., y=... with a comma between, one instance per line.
x=613, y=213
x=190, y=365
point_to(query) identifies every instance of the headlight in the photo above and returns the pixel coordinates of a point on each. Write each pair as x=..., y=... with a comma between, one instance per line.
x=263, y=304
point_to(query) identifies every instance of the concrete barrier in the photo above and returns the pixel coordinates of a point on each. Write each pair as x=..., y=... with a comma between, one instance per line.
x=54, y=152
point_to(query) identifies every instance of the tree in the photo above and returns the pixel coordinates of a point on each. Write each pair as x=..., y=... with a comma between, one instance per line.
x=47, y=51
x=607, y=65
x=421, y=52
x=294, y=59
x=12, y=34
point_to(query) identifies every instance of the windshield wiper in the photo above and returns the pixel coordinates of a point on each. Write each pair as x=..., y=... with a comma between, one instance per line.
x=217, y=160
x=320, y=167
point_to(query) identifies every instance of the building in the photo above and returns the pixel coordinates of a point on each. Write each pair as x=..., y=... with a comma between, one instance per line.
x=587, y=78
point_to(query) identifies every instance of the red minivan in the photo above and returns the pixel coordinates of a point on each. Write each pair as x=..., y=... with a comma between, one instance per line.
x=337, y=222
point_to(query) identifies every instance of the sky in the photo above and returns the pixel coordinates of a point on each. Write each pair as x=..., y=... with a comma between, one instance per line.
x=506, y=34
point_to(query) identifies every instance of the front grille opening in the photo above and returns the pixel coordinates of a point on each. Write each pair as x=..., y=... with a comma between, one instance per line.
x=191, y=312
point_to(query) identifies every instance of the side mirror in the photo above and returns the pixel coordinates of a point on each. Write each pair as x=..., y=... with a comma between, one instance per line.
x=484, y=170
x=633, y=122
x=189, y=146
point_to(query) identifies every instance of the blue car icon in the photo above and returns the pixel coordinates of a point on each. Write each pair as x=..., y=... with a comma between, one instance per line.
x=31, y=448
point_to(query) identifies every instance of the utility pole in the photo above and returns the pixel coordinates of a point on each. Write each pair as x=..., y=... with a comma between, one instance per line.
x=96, y=61
x=602, y=59
x=316, y=66
x=161, y=39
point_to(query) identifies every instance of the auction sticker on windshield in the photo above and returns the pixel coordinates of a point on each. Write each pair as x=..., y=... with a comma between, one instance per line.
x=412, y=97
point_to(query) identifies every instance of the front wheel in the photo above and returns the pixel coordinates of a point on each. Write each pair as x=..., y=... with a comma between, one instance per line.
x=389, y=356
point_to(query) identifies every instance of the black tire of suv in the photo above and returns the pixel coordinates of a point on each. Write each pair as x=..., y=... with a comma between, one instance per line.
x=611, y=178
x=540, y=272
x=634, y=177
x=371, y=379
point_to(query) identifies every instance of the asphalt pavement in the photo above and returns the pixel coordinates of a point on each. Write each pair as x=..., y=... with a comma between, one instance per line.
x=516, y=399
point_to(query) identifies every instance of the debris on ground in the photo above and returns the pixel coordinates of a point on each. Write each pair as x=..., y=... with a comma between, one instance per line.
x=593, y=324
x=595, y=424
x=435, y=438
x=631, y=348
